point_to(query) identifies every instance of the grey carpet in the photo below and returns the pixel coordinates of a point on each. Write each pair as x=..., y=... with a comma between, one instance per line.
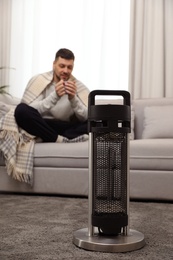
x=42, y=228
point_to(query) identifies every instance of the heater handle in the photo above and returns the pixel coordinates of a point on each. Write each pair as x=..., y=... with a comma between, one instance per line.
x=125, y=94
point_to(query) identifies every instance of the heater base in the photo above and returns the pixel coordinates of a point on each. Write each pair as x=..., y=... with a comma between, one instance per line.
x=114, y=244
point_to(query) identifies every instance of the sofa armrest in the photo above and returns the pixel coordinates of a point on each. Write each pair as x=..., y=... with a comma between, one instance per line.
x=9, y=100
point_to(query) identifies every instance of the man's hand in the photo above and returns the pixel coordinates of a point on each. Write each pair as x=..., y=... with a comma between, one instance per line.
x=66, y=87
x=70, y=88
x=60, y=89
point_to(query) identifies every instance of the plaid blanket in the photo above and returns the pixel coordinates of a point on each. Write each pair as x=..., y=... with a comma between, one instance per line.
x=16, y=146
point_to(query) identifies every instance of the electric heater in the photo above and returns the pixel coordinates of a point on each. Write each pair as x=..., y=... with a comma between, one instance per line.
x=109, y=126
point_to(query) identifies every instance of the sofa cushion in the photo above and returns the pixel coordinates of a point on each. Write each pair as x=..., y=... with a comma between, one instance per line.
x=151, y=154
x=158, y=122
x=65, y=155
x=132, y=134
x=139, y=106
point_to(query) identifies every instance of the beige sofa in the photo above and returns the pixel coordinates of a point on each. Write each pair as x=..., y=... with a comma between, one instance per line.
x=62, y=169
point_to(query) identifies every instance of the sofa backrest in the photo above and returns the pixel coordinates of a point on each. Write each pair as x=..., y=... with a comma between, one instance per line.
x=139, y=106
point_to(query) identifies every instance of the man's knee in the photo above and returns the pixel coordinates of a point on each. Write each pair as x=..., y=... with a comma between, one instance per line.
x=21, y=112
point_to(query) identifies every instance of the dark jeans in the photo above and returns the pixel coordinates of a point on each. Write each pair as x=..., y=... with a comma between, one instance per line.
x=29, y=119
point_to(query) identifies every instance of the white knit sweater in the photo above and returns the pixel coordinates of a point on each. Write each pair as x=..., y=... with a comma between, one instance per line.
x=41, y=95
x=49, y=105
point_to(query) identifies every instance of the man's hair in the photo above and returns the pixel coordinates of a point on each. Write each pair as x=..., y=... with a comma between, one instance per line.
x=65, y=54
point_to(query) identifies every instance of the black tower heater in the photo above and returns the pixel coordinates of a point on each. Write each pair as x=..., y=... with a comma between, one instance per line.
x=109, y=127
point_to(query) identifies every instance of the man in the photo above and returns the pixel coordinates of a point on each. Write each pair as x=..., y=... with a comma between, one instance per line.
x=54, y=104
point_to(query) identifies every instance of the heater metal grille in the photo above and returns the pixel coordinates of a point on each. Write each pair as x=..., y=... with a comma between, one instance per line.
x=110, y=174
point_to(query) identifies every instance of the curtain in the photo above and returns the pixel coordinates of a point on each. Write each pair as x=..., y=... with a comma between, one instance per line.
x=151, y=52
x=97, y=31
x=5, y=32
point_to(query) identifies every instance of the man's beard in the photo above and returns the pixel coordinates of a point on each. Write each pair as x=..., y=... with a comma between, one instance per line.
x=64, y=77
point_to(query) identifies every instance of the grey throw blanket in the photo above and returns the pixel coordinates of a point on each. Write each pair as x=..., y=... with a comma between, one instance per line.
x=16, y=146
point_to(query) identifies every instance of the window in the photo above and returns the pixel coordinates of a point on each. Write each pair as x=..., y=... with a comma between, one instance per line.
x=97, y=31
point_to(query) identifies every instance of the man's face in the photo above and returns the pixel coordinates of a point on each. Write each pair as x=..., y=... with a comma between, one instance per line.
x=62, y=69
